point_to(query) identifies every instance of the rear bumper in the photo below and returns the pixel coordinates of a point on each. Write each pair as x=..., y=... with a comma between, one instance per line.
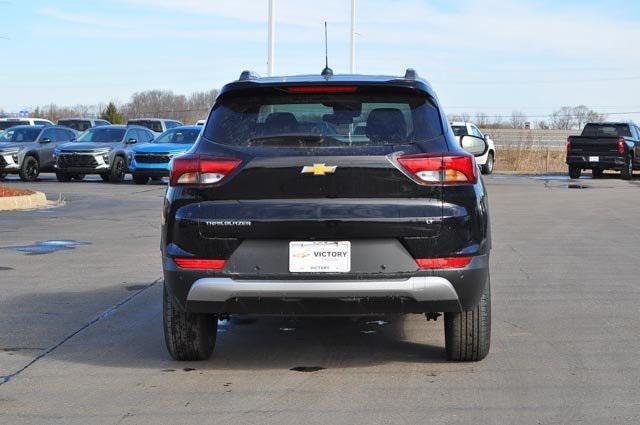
x=582, y=161
x=448, y=290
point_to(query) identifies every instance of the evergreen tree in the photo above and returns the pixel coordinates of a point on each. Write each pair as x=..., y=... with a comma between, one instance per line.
x=112, y=115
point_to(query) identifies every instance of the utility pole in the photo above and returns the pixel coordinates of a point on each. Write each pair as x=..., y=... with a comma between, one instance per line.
x=352, y=68
x=272, y=41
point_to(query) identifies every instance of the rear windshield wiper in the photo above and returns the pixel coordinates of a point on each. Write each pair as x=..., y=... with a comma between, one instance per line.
x=288, y=139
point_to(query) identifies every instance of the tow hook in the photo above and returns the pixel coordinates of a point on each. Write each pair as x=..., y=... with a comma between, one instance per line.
x=432, y=316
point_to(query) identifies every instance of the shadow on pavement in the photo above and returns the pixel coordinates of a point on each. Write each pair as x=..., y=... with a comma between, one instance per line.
x=130, y=336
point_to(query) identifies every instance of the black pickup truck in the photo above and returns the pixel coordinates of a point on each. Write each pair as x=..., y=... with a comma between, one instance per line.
x=604, y=146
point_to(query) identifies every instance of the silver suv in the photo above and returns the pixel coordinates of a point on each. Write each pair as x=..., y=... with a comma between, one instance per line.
x=100, y=150
x=28, y=150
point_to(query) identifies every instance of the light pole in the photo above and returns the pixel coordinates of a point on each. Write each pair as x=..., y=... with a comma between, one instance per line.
x=272, y=41
x=352, y=68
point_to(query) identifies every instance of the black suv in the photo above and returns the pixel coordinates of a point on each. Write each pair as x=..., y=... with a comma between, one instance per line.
x=283, y=208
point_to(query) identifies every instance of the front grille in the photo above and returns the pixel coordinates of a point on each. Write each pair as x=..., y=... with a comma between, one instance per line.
x=152, y=158
x=70, y=160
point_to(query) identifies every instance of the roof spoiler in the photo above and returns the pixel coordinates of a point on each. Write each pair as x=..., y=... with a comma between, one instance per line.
x=410, y=74
x=248, y=75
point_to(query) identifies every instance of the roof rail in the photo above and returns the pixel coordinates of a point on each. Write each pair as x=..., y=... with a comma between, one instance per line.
x=410, y=74
x=248, y=75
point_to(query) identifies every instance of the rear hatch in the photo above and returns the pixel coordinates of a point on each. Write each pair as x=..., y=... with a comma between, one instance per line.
x=303, y=174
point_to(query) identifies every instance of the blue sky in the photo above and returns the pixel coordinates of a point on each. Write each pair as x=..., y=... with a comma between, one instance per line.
x=491, y=56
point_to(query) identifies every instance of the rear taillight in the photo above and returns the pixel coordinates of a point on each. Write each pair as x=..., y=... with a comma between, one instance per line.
x=621, y=145
x=443, y=263
x=197, y=169
x=199, y=263
x=568, y=144
x=441, y=169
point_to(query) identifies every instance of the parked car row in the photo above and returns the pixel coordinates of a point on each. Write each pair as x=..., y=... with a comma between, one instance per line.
x=110, y=151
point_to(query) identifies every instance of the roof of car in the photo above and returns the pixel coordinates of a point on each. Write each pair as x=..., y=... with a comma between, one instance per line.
x=81, y=118
x=115, y=126
x=337, y=79
x=460, y=123
x=151, y=119
x=29, y=126
x=611, y=123
x=187, y=127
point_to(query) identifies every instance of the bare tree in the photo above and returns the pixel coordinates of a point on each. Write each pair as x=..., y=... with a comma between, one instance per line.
x=482, y=119
x=562, y=119
x=517, y=119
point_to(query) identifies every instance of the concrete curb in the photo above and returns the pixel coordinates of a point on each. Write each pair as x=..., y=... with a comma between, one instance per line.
x=23, y=202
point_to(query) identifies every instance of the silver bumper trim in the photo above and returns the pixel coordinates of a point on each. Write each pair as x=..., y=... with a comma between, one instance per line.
x=422, y=288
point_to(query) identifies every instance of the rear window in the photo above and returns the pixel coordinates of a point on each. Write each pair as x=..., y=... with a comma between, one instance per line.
x=459, y=130
x=150, y=124
x=366, y=117
x=6, y=124
x=606, y=130
x=78, y=125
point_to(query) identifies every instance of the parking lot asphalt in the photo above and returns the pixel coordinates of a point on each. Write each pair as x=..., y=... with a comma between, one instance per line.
x=81, y=329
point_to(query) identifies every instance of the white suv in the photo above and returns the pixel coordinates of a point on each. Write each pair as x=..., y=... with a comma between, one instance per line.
x=485, y=161
x=12, y=122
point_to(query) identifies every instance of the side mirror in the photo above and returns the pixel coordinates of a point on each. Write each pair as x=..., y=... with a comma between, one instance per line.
x=73, y=139
x=45, y=140
x=475, y=145
x=131, y=141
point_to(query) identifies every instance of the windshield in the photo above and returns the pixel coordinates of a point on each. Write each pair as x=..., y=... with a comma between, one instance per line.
x=459, y=130
x=361, y=117
x=181, y=136
x=12, y=123
x=78, y=125
x=606, y=130
x=20, y=135
x=150, y=124
x=103, y=135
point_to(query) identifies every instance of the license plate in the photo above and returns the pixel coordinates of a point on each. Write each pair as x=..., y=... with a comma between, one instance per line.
x=320, y=257
x=594, y=158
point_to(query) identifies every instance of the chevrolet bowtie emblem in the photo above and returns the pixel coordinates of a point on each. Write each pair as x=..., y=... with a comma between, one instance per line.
x=319, y=169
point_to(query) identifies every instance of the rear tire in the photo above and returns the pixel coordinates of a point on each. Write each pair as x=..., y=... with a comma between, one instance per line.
x=2, y=176
x=140, y=179
x=78, y=177
x=597, y=173
x=63, y=177
x=118, y=171
x=487, y=168
x=468, y=334
x=627, y=171
x=574, y=171
x=30, y=169
x=188, y=336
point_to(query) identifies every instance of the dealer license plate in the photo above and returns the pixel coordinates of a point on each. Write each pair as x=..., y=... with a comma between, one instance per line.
x=594, y=158
x=320, y=257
